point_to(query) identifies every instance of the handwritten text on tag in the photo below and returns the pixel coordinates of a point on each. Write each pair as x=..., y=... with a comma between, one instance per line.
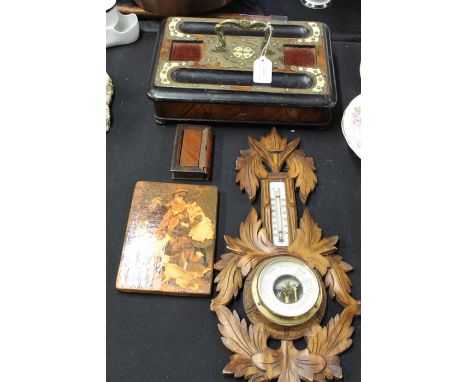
x=262, y=70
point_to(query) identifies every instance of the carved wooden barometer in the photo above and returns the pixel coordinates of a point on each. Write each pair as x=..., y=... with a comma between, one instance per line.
x=285, y=271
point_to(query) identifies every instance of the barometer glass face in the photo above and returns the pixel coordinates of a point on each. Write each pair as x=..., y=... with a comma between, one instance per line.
x=288, y=287
x=279, y=213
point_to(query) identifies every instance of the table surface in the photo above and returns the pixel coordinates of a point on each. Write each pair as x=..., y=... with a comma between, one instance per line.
x=165, y=338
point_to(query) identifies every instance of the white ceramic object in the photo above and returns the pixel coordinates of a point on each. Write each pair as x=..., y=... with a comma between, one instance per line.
x=120, y=29
x=316, y=4
x=351, y=125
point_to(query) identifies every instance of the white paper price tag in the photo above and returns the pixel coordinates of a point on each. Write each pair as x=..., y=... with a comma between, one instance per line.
x=262, y=70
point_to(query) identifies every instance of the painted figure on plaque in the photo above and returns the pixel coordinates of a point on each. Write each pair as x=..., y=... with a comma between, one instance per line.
x=169, y=245
x=183, y=233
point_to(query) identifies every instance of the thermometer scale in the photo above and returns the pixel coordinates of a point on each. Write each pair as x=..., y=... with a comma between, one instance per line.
x=279, y=214
x=279, y=208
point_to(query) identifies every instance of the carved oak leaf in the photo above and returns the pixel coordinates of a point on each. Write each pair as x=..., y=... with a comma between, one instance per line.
x=257, y=378
x=245, y=343
x=247, y=262
x=302, y=169
x=250, y=168
x=229, y=280
x=290, y=364
x=338, y=282
x=253, y=239
x=331, y=340
x=273, y=149
x=248, y=250
x=255, y=361
x=273, y=141
x=310, y=245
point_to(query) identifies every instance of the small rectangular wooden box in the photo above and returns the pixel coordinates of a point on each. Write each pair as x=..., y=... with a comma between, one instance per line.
x=192, y=154
x=203, y=71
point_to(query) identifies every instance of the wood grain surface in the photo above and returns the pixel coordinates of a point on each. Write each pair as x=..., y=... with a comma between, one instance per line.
x=193, y=111
x=190, y=152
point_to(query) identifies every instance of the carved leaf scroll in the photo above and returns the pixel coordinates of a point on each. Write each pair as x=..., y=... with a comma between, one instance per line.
x=298, y=364
x=256, y=362
x=250, y=169
x=310, y=245
x=244, y=343
x=331, y=340
x=253, y=238
x=338, y=282
x=273, y=141
x=302, y=168
x=248, y=250
x=273, y=149
x=229, y=280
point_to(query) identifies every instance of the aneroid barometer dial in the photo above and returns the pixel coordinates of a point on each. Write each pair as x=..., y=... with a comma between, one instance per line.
x=287, y=291
x=284, y=267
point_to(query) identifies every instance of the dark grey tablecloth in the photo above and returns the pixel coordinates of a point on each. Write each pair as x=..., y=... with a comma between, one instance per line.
x=161, y=338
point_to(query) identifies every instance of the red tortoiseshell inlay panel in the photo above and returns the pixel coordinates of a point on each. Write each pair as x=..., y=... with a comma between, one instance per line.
x=185, y=51
x=299, y=55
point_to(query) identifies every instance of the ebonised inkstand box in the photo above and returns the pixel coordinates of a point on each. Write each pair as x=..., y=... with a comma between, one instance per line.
x=202, y=71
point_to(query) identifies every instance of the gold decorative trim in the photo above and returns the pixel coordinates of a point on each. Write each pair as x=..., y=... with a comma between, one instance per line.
x=243, y=52
x=164, y=73
x=238, y=56
x=319, y=78
x=173, y=28
x=320, y=87
x=234, y=57
x=314, y=35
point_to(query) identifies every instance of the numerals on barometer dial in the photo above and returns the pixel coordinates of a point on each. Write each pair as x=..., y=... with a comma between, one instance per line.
x=287, y=291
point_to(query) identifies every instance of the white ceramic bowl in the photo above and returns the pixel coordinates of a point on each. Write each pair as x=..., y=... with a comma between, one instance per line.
x=351, y=125
x=120, y=29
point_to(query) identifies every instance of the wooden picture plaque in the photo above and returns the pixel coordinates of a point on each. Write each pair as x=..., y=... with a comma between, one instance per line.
x=170, y=238
x=192, y=154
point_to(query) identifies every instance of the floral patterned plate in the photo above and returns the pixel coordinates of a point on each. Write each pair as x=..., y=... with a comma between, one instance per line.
x=351, y=125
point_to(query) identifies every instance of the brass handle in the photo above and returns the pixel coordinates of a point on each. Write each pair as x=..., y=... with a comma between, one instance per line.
x=250, y=25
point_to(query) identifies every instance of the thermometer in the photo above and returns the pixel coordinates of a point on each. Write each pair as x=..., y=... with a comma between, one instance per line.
x=279, y=213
